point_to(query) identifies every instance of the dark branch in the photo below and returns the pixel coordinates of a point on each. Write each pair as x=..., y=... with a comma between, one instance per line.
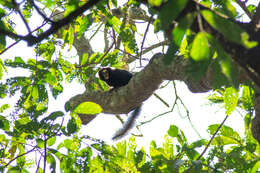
x=40, y=13
x=256, y=19
x=31, y=40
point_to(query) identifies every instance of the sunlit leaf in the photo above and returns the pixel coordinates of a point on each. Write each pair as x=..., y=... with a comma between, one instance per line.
x=155, y=2
x=238, y=35
x=200, y=50
x=51, y=160
x=170, y=11
x=4, y=107
x=230, y=99
x=173, y=131
x=35, y=93
x=88, y=108
x=51, y=141
x=247, y=98
x=256, y=167
x=40, y=143
x=226, y=135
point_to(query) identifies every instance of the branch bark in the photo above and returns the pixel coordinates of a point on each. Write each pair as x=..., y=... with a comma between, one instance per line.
x=141, y=87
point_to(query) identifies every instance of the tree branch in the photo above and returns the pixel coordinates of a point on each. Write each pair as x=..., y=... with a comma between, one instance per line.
x=141, y=86
x=31, y=40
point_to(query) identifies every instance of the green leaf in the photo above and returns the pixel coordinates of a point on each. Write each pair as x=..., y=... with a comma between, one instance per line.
x=84, y=24
x=51, y=141
x=4, y=107
x=51, y=160
x=2, y=36
x=40, y=143
x=121, y=148
x=173, y=131
x=2, y=13
x=178, y=35
x=155, y=2
x=230, y=99
x=4, y=123
x=225, y=73
x=224, y=140
x=170, y=11
x=84, y=59
x=72, y=126
x=234, y=33
x=198, y=143
x=53, y=116
x=227, y=8
x=200, y=50
x=256, y=167
x=226, y=135
x=180, y=30
x=19, y=60
x=35, y=93
x=67, y=106
x=88, y=108
x=247, y=98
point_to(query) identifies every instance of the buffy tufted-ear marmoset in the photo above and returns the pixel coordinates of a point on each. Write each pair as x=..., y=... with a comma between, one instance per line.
x=117, y=78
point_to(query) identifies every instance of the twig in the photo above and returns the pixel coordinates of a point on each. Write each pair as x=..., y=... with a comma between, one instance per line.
x=243, y=6
x=45, y=154
x=13, y=44
x=145, y=33
x=38, y=165
x=31, y=40
x=95, y=32
x=19, y=156
x=199, y=18
x=44, y=23
x=22, y=17
x=164, y=102
x=214, y=135
x=39, y=12
x=163, y=43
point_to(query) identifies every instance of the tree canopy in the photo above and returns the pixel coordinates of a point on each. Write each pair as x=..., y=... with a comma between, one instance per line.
x=205, y=44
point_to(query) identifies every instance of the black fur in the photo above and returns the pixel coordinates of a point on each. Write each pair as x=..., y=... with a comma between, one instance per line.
x=117, y=78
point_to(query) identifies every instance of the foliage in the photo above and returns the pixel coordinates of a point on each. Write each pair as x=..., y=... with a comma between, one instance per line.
x=28, y=128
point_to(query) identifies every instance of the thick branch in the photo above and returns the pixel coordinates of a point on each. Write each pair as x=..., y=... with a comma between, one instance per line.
x=142, y=86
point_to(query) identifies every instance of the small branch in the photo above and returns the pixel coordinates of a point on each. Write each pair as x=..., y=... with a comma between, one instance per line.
x=45, y=154
x=256, y=19
x=18, y=38
x=106, y=39
x=163, y=43
x=38, y=165
x=214, y=135
x=95, y=32
x=31, y=40
x=200, y=23
x=243, y=6
x=164, y=102
x=13, y=44
x=39, y=12
x=145, y=33
x=22, y=17
x=20, y=156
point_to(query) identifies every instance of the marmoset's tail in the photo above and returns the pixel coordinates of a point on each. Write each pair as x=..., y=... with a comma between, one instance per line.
x=128, y=124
